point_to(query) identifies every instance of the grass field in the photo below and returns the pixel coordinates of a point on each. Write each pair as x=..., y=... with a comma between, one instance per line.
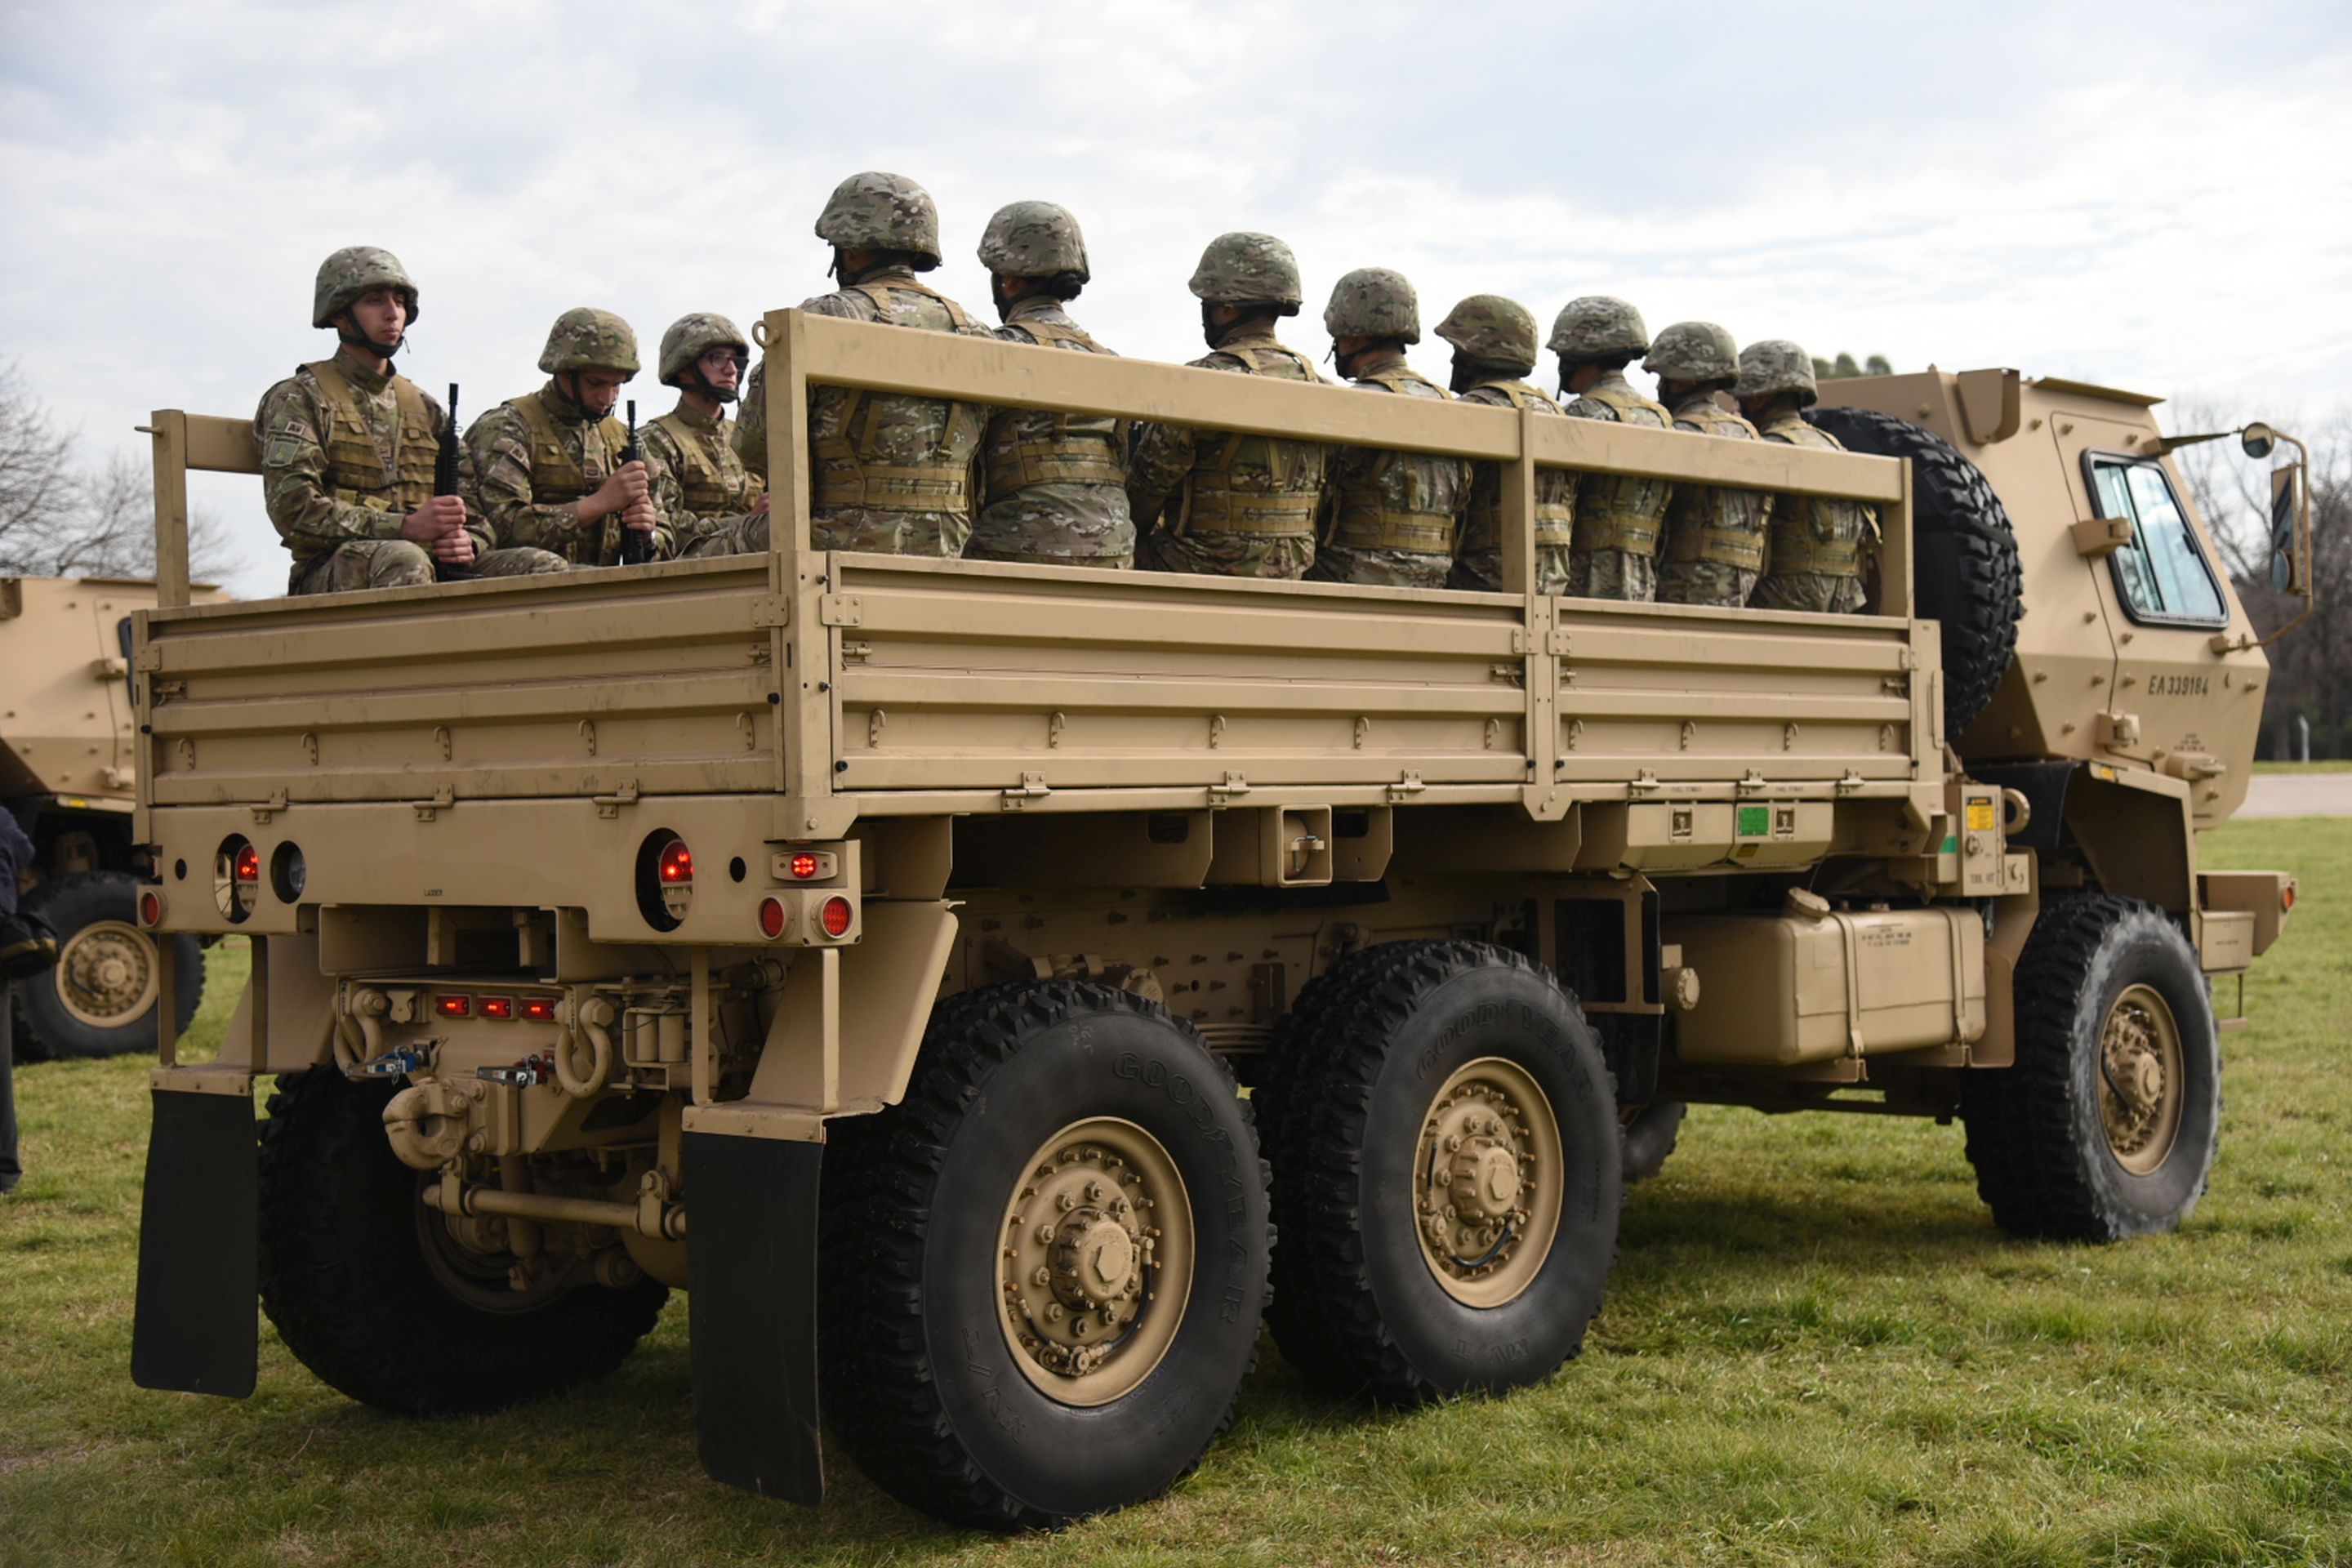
x=1816, y=1349
x=2324, y=765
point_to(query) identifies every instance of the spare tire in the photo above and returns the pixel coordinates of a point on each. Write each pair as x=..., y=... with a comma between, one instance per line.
x=1964, y=571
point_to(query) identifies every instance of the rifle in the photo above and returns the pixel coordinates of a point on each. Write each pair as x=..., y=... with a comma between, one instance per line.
x=636, y=547
x=444, y=483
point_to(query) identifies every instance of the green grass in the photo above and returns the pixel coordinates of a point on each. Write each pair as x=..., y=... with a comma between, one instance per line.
x=1816, y=1349
x=2324, y=766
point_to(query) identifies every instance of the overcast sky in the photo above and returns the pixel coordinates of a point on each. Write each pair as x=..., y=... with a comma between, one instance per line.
x=2152, y=196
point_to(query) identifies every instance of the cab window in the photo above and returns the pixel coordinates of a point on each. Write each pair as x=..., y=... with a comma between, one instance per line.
x=2161, y=574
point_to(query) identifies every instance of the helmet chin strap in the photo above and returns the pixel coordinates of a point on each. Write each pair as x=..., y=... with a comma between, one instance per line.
x=353, y=338
x=717, y=394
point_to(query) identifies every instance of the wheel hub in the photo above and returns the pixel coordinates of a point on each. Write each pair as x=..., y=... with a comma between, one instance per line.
x=107, y=973
x=1488, y=1177
x=1096, y=1261
x=2141, y=1074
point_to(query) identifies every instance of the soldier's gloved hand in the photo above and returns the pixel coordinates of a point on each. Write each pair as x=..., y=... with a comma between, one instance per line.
x=435, y=520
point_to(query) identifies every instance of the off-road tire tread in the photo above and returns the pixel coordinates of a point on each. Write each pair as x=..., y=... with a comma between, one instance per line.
x=1341, y=1345
x=1980, y=600
x=888, y=1413
x=355, y=1340
x=1646, y=1149
x=71, y=1039
x=2020, y=1119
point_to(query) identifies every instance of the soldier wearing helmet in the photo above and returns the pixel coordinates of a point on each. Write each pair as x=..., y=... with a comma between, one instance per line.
x=1493, y=343
x=1714, y=546
x=546, y=465
x=890, y=473
x=1236, y=506
x=1618, y=516
x=698, y=485
x=348, y=447
x=1054, y=485
x=1816, y=542
x=1394, y=515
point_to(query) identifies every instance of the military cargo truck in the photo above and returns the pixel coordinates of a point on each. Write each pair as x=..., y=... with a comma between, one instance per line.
x=66, y=765
x=875, y=947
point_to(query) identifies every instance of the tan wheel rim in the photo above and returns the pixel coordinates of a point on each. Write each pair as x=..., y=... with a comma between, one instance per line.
x=2142, y=1073
x=1096, y=1262
x=107, y=973
x=1487, y=1179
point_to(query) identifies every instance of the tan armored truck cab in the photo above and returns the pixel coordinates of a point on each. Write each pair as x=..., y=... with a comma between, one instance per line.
x=67, y=749
x=871, y=945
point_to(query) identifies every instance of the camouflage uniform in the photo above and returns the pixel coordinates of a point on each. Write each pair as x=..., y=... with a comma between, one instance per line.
x=1493, y=343
x=698, y=485
x=1714, y=546
x=1394, y=515
x=889, y=473
x=1242, y=506
x=1816, y=542
x=1619, y=517
x=347, y=454
x=532, y=456
x=1054, y=485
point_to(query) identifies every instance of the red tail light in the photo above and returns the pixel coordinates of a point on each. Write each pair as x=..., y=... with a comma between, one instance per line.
x=453, y=1006
x=151, y=907
x=835, y=917
x=248, y=864
x=676, y=863
x=497, y=1007
x=539, y=1009
x=771, y=917
x=804, y=866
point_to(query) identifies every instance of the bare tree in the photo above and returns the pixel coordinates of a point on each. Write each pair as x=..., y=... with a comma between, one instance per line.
x=60, y=520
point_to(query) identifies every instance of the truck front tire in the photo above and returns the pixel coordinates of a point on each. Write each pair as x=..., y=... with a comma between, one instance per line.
x=346, y=1278
x=1446, y=1176
x=1043, y=1269
x=2107, y=1124
x=100, y=999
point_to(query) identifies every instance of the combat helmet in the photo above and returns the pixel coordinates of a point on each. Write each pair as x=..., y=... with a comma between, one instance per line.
x=1491, y=329
x=1034, y=239
x=1373, y=302
x=1694, y=350
x=1244, y=268
x=1598, y=327
x=1776, y=365
x=692, y=336
x=586, y=338
x=878, y=211
x=351, y=272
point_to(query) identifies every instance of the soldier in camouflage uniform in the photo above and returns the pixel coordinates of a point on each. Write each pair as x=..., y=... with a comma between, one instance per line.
x=697, y=484
x=1714, y=548
x=1054, y=485
x=890, y=473
x=1618, y=516
x=546, y=465
x=1815, y=561
x=1239, y=506
x=348, y=449
x=1392, y=515
x=1493, y=343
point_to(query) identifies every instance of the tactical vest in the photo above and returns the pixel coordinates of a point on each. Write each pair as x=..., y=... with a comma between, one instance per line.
x=846, y=474
x=556, y=474
x=1364, y=520
x=1482, y=526
x=1057, y=448
x=1717, y=523
x=1816, y=534
x=1294, y=469
x=356, y=473
x=701, y=483
x=1622, y=511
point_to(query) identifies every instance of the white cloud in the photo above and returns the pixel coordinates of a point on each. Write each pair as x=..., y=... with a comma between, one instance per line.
x=2124, y=193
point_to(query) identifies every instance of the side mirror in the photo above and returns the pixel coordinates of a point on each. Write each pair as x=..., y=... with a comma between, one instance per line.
x=2258, y=441
x=2290, y=564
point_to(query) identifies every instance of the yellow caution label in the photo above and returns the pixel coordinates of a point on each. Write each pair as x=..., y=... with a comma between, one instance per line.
x=1981, y=818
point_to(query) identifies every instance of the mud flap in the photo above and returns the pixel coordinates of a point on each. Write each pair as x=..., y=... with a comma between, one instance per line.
x=196, y=1325
x=751, y=1311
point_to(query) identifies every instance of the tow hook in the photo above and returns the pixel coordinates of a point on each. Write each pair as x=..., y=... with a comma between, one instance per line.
x=528, y=1073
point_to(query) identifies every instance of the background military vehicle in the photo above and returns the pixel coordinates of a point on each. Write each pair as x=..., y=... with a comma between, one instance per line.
x=870, y=944
x=66, y=765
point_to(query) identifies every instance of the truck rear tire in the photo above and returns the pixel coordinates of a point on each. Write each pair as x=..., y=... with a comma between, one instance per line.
x=1446, y=1176
x=346, y=1277
x=1650, y=1137
x=2107, y=1124
x=100, y=999
x=1042, y=1270
x=1965, y=570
